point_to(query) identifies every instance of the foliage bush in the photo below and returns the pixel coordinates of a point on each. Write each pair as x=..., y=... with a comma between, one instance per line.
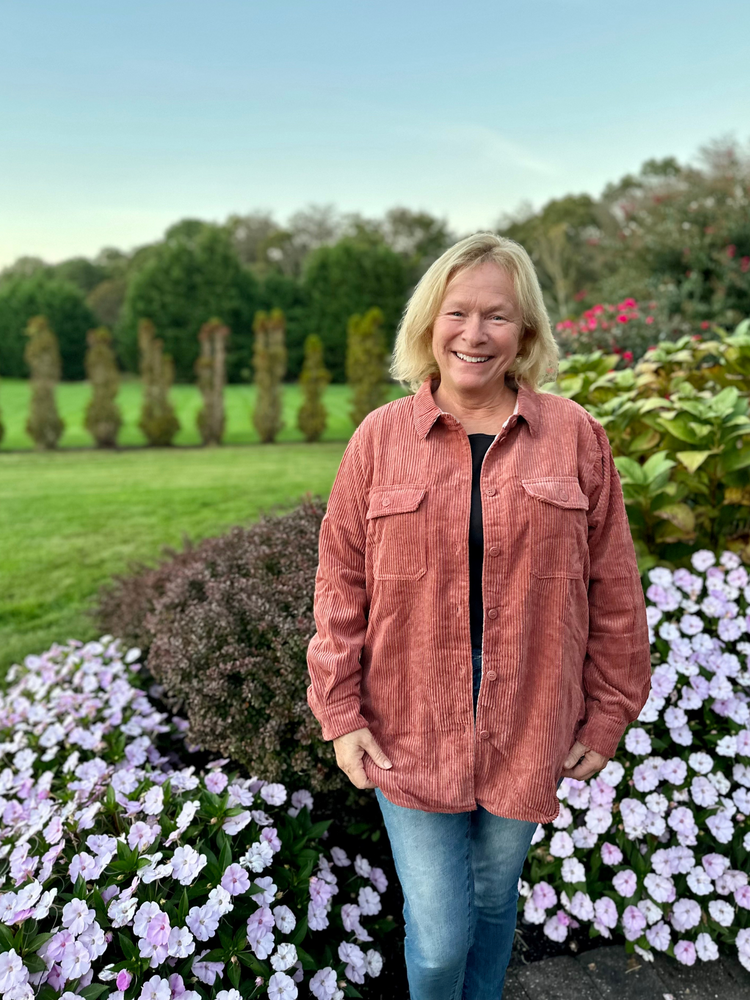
x=312, y=416
x=269, y=364
x=656, y=846
x=128, y=872
x=679, y=426
x=158, y=420
x=22, y=298
x=42, y=355
x=212, y=376
x=103, y=418
x=227, y=626
x=365, y=363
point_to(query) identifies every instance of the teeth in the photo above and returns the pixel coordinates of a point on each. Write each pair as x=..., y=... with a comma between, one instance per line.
x=465, y=357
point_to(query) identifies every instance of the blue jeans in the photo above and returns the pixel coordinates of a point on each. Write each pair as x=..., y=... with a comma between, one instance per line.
x=459, y=875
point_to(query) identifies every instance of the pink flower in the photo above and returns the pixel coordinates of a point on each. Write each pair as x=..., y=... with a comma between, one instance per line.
x=633, y=923
x=543, y=895
x=124, y=979
x=742, y=896
x=625, y=882
x=235, y=880
x=684, y=951
x=611, y=854
x=216, y=782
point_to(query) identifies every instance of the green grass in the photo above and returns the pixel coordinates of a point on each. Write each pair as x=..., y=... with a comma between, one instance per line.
x=72, y=398
x=71, y=519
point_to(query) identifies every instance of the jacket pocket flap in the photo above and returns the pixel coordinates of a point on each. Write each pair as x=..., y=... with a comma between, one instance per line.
x=395, y=500
x=562, y=491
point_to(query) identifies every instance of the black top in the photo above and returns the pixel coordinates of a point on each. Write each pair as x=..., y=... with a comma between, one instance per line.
x=479, y=445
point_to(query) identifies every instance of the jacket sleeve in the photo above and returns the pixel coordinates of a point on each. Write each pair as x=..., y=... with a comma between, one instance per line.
x=340, y=602
x=617, y=666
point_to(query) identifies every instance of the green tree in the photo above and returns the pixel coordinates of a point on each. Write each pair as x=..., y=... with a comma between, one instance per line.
x=42, y=355
x=22, y=298
x=312, y=414
x=211, y=371
x=103, y=418
x=287, y=294
x=269, y=362
x=158, y=420
x=365, y=363
x=193, y=275
x=81, y=272
x=351, y=277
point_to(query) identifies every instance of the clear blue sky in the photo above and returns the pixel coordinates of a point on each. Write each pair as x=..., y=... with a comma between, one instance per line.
x=118, y=119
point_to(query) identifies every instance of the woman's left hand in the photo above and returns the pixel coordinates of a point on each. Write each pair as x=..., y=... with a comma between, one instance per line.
x=581, y=763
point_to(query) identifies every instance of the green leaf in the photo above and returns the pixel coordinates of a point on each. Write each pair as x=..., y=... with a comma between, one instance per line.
x=34, y=963
x=298, y=934
x=735, y=458
x=183, y=908
x=350, y=991
x=93, y=991
x=318, y=829
x=6, y=937
x=128, y=947
x=692, y=460
x=679, y=427
x=630, y=471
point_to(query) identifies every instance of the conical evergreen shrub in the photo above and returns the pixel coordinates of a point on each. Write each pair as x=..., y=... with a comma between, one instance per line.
x=211, y=370
x=269, y=363
x=365, y=363
x=312, y=415
x=103, y=418
x=42, y=355
x=158, y=420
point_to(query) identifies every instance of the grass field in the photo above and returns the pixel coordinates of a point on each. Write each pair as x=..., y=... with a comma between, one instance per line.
x=71, y=519
x=72, y=398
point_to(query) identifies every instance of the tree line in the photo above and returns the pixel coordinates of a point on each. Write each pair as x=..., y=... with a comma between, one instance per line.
x=365, y=362
x=678, y=233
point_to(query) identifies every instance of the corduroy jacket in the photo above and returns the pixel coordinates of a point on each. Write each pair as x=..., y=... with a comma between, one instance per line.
x=566, y=652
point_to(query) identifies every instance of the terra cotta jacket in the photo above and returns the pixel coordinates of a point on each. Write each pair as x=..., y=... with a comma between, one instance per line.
x=565, y=640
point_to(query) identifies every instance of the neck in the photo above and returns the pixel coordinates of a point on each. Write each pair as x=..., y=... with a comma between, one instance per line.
x=473, y=406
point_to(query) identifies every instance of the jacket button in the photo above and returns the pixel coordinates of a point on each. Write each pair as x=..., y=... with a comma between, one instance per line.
x=492, y=613
x=484, y=735
x=563, y=495
x=386, y=502
x=491, y=675
x=494, y=551
x=490, y=491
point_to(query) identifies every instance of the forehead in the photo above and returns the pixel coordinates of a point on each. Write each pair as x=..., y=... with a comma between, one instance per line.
x=487, y=280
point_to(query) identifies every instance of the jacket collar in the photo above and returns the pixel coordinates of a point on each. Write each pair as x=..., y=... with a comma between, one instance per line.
x=426, y=411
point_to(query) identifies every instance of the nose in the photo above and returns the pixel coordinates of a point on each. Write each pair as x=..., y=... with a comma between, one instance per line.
x=474, y=330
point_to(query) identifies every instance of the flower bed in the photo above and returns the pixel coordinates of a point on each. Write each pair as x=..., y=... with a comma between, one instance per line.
x=656, y=845
x=130, y=875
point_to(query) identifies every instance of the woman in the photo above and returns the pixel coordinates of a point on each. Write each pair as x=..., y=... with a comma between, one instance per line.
x=481, y=626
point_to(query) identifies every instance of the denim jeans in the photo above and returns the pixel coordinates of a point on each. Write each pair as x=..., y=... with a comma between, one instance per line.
x=459, y=875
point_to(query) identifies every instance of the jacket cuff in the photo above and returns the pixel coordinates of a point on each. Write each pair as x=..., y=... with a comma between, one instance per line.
x=338, y=720
x=602, y=733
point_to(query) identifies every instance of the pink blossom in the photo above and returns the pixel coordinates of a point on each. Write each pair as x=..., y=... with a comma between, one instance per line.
x=684, y=951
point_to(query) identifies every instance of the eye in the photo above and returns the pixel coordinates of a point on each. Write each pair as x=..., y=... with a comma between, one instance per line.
x=498, y=316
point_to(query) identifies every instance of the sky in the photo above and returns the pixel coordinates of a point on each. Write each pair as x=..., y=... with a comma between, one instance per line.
x=117, y=120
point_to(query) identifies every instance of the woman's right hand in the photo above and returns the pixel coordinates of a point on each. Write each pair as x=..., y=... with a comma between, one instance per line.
x=350, y=749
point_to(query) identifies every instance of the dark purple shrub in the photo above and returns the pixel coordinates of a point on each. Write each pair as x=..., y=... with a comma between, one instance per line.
x=227, y=624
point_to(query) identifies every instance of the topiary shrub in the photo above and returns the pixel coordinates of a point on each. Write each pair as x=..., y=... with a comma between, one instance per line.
x=103, y=418
x=211, y=370
x=312, y=415
x=269, y=362
x=42, y=355
x=365, y=363
x=227, y=625
x=158, y=420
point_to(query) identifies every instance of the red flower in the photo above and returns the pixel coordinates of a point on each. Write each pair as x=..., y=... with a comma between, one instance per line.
x=731, y=250
x=627, y=355
x=745, y=264
x=649, y=320
x=579, y=296
x=629, y=304
x=704, y=326
x=622, y=318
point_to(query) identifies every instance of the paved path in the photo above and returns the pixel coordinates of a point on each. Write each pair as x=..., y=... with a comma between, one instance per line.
x=609, y=973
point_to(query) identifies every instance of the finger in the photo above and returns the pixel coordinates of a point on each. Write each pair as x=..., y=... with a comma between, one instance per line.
x=358, y=777
x=371, y=747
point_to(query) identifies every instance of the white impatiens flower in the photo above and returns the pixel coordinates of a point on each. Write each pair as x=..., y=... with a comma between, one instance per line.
x=650, y=910
x=181, y=942
x=721, y=911
x=598, y=819
x=284, y=957
x=573, y=871
x=153, y=801
x=373, y=962
x=156, y=988
x=625, y=883
x=686, y=914
x=700, y=762
x=699, y=881
x=284, y=918
x=703, y=792
x=727, y=746
x=187, y=863
x=637, y=741
x=561, y=845
x=612, y=774
x=721, y=826
x=273, y=793
x=281, y=987
x=660, y=887
x=706, y=948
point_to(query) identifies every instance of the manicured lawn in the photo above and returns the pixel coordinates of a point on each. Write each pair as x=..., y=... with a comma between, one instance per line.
x=69, y=520
x=72, y=398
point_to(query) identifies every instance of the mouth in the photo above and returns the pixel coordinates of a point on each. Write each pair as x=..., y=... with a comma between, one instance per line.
x=472, y=359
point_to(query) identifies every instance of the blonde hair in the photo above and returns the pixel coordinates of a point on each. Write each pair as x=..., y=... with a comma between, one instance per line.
x=536, y=362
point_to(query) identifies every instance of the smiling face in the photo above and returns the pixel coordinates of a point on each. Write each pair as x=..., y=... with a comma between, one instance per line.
x=477, y=331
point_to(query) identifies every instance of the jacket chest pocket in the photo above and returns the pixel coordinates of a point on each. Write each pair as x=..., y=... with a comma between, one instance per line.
x=558, y=527
x=396, y=532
